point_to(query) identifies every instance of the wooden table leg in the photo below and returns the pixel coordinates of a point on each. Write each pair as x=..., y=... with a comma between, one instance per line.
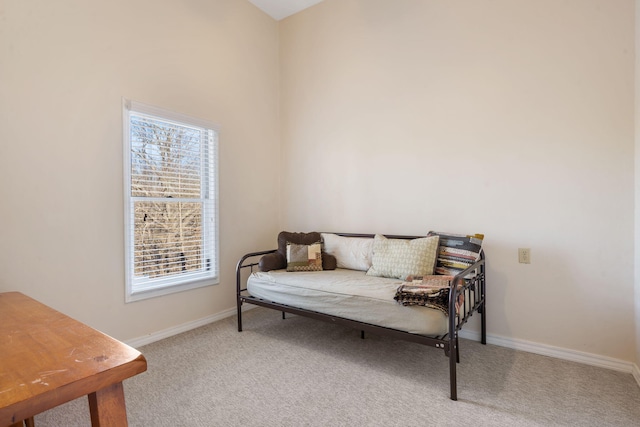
x=29, y=422
x=107, y=407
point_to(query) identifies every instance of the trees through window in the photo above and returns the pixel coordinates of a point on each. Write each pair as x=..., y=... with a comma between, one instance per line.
x=171, y=206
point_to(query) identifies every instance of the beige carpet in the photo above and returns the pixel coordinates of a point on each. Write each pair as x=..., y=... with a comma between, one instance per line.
x=302, y=372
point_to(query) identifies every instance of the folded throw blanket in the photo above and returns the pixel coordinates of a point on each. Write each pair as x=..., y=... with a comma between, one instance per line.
x=427, y=291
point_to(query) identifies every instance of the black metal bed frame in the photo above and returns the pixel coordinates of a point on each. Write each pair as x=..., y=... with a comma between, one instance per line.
x=473, y=289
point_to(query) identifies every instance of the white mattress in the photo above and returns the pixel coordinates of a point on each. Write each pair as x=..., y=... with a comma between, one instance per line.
x=347, y=293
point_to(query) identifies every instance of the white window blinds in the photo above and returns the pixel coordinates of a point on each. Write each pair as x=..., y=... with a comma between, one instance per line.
x=171, y=201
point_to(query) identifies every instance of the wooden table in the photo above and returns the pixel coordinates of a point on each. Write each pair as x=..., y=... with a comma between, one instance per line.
x=47, y=358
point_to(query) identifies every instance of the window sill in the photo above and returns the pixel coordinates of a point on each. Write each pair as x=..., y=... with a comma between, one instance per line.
x=133, y=296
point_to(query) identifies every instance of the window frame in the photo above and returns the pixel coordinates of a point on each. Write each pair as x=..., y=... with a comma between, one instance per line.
x=168, y=285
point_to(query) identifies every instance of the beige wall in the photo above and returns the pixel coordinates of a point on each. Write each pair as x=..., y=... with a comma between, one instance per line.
x=533, y=100
x=513, y=119
x=637, y=188
x=64, y=67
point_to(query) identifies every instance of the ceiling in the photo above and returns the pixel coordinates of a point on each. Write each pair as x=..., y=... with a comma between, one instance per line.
x=280, y=9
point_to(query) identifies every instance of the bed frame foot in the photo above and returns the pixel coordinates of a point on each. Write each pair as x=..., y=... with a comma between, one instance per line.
x=361, y=334
x=452, y=372
x=284, y=315
x=483, y=326
x=239, y=316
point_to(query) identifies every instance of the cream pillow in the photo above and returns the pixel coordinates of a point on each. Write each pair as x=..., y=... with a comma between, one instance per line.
x=399, y=258
x=353, y=253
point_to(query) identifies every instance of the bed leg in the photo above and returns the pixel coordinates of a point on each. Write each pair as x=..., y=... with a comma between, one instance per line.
x=239, y=315
x=457, y=350
x=283, y=315
x=452, y=369
x=483, y=316
x=483, y=327
x=361, y=334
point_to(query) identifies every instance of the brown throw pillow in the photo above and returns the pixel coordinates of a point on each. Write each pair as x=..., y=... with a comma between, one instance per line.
x=272, y=261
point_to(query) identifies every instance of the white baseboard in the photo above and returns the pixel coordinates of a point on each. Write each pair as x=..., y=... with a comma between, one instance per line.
x=557, y=352
x=636, y=373
x=175, y=330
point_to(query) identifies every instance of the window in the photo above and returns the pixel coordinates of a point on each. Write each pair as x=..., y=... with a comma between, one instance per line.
x=171, y=215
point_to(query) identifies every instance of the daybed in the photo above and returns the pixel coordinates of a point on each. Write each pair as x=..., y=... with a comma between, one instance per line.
x=373, y=283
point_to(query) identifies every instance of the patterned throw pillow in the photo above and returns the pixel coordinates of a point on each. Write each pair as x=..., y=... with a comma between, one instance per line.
x=457, y=252
x=399, y=258
x=304, y=257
